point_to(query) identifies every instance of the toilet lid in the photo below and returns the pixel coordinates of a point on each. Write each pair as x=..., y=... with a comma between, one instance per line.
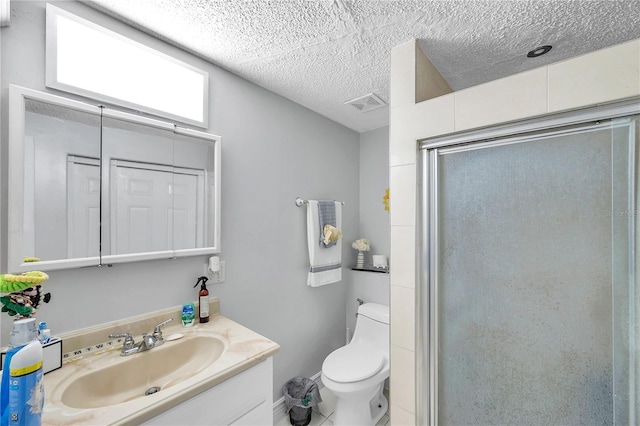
x=352, y=363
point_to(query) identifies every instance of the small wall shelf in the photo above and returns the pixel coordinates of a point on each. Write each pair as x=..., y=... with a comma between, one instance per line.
x=371, y=269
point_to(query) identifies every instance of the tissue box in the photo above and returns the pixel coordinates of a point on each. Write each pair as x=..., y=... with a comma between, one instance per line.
x=51, y=355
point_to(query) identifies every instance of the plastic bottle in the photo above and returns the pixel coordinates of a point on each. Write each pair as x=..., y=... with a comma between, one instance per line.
x=188, y=314
x=203, y=298
x=4, y=388
x=26, y=386
x=44, y=334
x=24, y=331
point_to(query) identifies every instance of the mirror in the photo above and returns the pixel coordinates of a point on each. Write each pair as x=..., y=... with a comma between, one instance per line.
x=197, y=184
x=89, y=185
x=137, y=174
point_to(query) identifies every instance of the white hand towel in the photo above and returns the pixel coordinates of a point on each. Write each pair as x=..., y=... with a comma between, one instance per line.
x=326, y=262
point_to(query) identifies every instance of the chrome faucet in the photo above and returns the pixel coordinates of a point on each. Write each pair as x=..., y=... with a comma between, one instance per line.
x=129, y=346
x=149, y=341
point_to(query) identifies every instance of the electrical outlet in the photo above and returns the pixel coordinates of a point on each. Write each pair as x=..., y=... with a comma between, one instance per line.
x=217, y=277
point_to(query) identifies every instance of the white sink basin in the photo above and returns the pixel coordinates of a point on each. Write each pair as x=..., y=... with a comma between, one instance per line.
x=127, y=378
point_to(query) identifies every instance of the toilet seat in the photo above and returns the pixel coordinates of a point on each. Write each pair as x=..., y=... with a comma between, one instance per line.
x=352, y=363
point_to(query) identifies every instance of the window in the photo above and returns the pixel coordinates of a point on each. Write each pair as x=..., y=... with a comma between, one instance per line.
x=95, y=62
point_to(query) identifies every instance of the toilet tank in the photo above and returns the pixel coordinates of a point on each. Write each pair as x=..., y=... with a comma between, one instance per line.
x=372, y=326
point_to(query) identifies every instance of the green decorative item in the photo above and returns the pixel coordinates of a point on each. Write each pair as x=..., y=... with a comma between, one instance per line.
x=14, y=309
x=10, y=283
x=23, y=293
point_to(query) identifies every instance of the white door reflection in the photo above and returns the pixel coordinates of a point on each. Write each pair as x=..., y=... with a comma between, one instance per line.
x=83, y=207
x=148, y=201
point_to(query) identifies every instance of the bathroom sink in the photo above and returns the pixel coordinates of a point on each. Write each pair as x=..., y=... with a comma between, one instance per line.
x=142, y=374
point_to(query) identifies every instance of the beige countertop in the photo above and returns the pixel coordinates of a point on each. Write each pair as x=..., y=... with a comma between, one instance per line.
x=243, y=349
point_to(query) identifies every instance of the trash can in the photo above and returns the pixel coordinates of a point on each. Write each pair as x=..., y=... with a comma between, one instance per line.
x=300, y=396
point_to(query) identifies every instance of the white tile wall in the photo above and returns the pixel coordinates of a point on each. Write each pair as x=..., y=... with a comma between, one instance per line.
x=402, y=177
x=403, y=247
x=602, y=76
x=436, y=115
x=402, y=380
x=402, y=180
x=510, y=98
x=402, y=145
x=403, y=317
x=433, y=117
x=403, y=76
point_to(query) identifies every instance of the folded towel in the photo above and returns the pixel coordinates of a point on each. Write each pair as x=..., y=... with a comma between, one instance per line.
x=326, y=216
x=326, y=262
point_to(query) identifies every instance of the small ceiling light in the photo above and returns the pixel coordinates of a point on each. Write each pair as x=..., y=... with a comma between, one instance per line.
x=538, y=51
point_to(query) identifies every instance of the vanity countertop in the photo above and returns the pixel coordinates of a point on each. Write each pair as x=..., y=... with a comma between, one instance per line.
x=243, y=349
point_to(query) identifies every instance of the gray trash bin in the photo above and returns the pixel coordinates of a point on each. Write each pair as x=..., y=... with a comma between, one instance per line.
x=300, y=396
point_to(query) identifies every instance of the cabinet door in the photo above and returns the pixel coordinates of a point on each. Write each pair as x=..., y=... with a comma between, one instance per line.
x=245, y=399
x=47, y=135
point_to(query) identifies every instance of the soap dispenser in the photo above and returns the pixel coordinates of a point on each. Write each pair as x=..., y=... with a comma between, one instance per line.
x=203, y=298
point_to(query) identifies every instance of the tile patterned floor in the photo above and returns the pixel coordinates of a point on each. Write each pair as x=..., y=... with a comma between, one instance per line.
x=323, y=413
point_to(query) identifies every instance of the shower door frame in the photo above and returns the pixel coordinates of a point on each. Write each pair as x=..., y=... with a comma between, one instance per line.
x=426, y=402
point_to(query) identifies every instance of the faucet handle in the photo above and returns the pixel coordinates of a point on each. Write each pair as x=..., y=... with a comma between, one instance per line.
x=128, y=339
x=157, y=333
x=163, y=323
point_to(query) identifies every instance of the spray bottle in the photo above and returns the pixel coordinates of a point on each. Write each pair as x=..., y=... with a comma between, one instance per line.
x=203, y=298
x=26, y=386
x=22, y=390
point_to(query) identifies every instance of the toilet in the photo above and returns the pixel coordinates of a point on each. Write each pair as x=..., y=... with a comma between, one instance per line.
x=355, y=373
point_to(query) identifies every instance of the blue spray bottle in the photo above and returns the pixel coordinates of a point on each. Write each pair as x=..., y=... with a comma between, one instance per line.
x=24, y=331
x=26, y=386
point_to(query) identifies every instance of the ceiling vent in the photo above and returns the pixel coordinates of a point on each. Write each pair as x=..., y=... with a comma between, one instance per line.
x=366, y=103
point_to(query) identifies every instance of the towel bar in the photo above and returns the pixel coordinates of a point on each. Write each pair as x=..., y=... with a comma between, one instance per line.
x=300, y=202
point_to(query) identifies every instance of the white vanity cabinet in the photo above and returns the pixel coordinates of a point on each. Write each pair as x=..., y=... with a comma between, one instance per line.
x=244, y=399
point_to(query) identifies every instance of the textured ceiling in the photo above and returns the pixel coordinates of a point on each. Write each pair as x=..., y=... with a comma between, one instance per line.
x=323, y=53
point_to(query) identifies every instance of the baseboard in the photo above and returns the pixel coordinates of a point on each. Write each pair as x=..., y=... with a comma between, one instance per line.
x=278, y=406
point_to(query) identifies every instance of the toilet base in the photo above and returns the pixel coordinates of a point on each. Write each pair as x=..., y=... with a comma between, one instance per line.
x=378, y=406
x=360, y=409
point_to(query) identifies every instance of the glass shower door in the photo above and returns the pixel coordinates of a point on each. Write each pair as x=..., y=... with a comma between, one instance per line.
x=530, y=300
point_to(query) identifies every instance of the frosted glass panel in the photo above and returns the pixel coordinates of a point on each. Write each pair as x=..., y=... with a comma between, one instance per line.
x=533, y=280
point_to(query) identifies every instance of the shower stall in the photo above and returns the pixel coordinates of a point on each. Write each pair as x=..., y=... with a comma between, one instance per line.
x=528, y=268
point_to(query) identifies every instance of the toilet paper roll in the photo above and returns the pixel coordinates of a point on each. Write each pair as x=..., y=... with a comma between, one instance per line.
x=379, y=261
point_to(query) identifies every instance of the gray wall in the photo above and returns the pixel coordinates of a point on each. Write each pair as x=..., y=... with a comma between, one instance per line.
x=374, y=179
x=374, y=221
x=270, y=150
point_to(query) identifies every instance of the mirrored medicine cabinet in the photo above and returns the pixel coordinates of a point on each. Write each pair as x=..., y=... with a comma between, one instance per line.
x=91, y=185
